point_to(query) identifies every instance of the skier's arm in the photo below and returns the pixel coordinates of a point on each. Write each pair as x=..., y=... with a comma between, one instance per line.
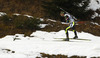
x=67, y=22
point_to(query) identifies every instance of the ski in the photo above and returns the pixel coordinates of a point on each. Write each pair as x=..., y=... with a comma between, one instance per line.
x=74, y=39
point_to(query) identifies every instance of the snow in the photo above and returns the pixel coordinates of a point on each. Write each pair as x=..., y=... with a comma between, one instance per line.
x=2, y=13
x=41, y=19
x=16, y=14
x=52, y=20
x=94, y=4
x=43, y=25
x=95, y=15
x=45, y=42
x=95, y=23
x=28, y=16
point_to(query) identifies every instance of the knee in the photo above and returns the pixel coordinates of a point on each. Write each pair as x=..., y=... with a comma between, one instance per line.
x=66, y=30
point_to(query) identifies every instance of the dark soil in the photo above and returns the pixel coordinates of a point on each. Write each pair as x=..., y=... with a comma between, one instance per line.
x=43, y=55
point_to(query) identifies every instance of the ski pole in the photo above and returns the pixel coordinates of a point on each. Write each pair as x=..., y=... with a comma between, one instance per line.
x=62, y=9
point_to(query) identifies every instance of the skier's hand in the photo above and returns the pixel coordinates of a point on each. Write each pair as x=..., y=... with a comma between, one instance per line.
x=71, y=25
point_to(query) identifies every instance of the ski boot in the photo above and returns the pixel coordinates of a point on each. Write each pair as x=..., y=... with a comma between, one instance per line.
x=67, y=39
x=76, y=37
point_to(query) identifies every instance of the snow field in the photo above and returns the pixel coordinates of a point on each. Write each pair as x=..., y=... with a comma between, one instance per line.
x=45, y=42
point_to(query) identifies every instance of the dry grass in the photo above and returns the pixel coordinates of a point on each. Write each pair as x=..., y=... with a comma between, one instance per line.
x=87, y=26
x=43, y=55
x=19, y=24
x=31, y=7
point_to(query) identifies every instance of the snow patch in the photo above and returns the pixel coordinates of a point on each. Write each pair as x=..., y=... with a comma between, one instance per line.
x=95, y=15
x=16, y=14
x=94, y=4
x=43, y=25
x=41, y=19
x=45, y=42
x=95, y=23
x=52, y=20
x=2, y=13
x=29, y=16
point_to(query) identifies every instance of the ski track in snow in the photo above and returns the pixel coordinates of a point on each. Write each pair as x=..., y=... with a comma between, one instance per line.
x=44, y=42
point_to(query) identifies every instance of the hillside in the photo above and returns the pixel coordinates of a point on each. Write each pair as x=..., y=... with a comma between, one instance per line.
x=41, y=42
x=34, y=8
x=31, y=7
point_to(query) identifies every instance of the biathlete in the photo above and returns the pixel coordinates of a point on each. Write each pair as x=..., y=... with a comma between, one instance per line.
x=71, y=22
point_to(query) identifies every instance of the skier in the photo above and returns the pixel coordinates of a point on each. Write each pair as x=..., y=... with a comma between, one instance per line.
x=71, y=22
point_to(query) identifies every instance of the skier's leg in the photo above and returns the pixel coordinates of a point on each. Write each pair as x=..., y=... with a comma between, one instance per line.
x=67, y=35
x=75, y=32
x=75, y=35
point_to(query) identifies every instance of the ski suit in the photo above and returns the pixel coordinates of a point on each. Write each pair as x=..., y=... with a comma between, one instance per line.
x=71, y=23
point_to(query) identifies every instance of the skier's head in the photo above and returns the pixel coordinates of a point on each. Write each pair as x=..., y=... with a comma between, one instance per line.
x=62, y=13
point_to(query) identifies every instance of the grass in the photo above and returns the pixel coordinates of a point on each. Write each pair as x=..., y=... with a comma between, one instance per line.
x=87, y=26
x=43, y=55
x=30, y=7
x=10, y=25
x=21, y=24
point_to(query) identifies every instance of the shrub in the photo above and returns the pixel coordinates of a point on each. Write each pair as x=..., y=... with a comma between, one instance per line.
x=23, y=22
x=32, y=23
x=6, y=19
